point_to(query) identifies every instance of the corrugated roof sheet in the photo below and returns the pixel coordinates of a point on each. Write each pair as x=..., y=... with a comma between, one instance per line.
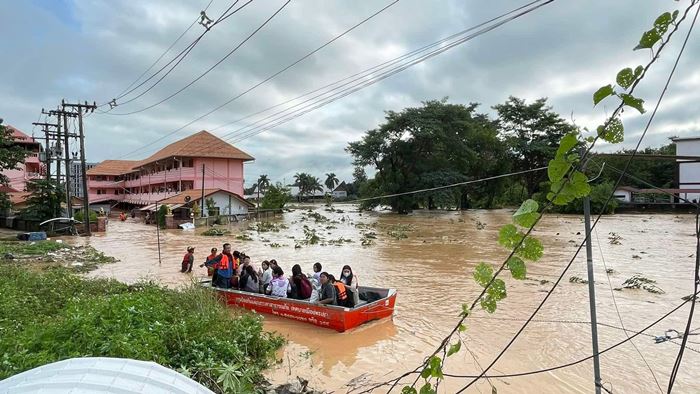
x=113, y=167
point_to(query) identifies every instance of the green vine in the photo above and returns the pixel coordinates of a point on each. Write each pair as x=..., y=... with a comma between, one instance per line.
x=568, y=183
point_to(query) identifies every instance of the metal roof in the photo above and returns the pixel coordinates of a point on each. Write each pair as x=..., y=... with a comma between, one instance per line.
x=101, y=375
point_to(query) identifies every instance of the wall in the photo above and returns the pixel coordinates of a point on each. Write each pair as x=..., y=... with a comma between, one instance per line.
x=688, y=173
x=224, y=174
x=222, y=200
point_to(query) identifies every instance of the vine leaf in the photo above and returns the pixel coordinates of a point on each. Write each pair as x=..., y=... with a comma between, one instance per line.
x=517, y=268
x=527, y=214
x=488, y=304
x=625, y=78
x=602, y=93
x=454, y=348
x=567, y=143
x=482, y=275
x=436, y=367
x=427, y=389
x=495, y=292
x=649, y=38
x=612, y=131
x=638, y=72
x=579, y=184
x=462, y=328
x=531, y=249
x=633, y=102
x=662, y=23
x=465, y=310
x=508, y=236
x=408, y=390
x=557, y=169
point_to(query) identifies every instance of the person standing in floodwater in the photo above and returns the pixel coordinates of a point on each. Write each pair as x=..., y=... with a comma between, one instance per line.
x=210, y=270
x=188, y=260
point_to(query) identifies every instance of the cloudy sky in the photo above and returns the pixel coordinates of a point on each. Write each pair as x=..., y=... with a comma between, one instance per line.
x=93, y=50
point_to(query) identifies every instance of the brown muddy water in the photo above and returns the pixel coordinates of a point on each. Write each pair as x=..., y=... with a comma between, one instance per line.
x=431, y=268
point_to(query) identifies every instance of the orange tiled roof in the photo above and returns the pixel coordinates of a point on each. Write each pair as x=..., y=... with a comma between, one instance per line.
x=202, y=144
x=195, y=195
x=20, y=137
x=113, y=167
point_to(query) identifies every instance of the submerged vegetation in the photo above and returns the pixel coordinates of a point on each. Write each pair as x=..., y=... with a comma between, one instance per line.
x=54, y=314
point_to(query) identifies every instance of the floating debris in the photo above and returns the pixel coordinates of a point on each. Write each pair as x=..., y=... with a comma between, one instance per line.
x=576, y=279
x=480, y=225
x=614, y=239
x=640, y=282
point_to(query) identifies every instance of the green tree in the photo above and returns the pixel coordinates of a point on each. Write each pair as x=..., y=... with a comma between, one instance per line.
x=532, y=132
x=331, y=181
x=45, y=200
x=160, y=215
x=659, y=170
x=428, y=146
x=263, y=183
x=275, y=197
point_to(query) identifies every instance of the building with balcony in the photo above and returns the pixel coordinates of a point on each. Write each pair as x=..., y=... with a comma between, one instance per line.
x=200, y=161
x=31, y=168
x=76, y=177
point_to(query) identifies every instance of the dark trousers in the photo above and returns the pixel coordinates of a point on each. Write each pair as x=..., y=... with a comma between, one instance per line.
x=221, y=282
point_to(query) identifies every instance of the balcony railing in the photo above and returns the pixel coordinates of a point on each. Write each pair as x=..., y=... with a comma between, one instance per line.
x=174, y=175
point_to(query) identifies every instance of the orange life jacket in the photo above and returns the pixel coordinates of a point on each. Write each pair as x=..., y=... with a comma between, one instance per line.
x=223, y=263
x=340, y=288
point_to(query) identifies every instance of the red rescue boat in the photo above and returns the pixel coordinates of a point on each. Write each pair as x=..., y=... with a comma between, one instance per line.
x=375, y=303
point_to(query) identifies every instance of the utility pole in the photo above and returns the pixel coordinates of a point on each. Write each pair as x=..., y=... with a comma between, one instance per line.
x=86, y=204
x=591, y=288
x=47, y=150
x=57, y=145
x=257, y=211
x=202, y=189
x=62, y=137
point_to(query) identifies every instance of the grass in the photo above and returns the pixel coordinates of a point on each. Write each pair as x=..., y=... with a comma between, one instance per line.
x=30, y=248
x=54, y=314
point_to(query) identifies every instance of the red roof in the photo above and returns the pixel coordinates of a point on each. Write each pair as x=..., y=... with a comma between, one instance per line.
x=20, y=137
x=202, y=144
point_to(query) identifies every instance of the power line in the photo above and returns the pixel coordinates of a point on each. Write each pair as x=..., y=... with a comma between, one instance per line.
x=180, y=57
x=378, y=66
x=164, y=52
x=627, y=164
x=353, y=87
x=265, y=80
x=619, y=315
x=212, y=67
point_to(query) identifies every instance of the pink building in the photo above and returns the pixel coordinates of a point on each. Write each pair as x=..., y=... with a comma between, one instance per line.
x=200, y=160
x=32, y=168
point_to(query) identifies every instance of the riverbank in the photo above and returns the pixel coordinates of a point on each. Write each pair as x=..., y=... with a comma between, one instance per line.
x=50, y=313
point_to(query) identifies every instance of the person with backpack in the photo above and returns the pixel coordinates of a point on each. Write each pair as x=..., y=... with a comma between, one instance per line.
x=301, y=287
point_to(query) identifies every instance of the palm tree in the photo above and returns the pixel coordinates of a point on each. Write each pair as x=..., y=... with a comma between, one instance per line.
x=312, y=184
x=263, y=182
x=331, y=181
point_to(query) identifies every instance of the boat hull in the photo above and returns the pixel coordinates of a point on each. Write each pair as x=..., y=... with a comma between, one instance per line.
x=334, y=317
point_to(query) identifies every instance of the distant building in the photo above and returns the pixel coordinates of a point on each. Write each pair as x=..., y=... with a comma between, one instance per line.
x=624, y=193
x=341, y=191
x=76, y=178
x=198, y=161
x=688, y=172
x=31, y=168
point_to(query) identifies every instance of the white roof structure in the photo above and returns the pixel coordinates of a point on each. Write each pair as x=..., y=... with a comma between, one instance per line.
x=101, y=375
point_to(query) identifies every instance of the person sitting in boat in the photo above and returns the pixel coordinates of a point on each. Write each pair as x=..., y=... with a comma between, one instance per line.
x=317, y=271
x=224, y=268
x=300, y=285
x=188, y=260
x=327, y=295
x=279, y=285
x=265, y=275
x=273, y=263
x=341, y=292
x=249, y=280
x=350, y=281
x=210, y=270
x=235, y=259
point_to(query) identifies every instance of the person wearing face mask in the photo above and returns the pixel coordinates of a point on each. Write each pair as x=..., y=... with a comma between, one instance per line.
x=350, y=281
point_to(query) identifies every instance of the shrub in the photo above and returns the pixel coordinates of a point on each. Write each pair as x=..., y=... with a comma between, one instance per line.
x=78, y=215
x=54, y=315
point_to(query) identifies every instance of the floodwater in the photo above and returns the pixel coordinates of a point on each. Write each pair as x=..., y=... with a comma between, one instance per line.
x=431, y=268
